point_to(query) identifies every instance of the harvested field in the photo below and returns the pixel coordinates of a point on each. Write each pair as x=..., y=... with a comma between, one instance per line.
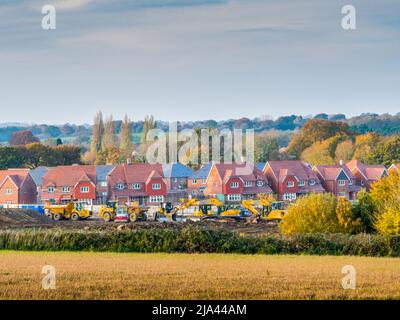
x=20, y=218
x=195, y=276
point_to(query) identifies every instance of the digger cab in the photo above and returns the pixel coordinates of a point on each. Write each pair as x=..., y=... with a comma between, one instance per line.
x=166, y=207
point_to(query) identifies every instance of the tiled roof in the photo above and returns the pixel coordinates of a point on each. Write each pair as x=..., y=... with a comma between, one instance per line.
x=370, y=172
x=332, y=172
x=134, y=173
x=37, y=174
x=102, y=171
x=70, y=175
x=260, y=165
x=16, y=175
x=202, y=173
x=176, y=170
x=301, y=170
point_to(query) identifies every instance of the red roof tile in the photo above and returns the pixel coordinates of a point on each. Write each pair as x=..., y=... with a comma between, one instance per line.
x=69, y=175
x=16, y=175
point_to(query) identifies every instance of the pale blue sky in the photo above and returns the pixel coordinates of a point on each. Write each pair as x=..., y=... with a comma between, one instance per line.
x=197, y=59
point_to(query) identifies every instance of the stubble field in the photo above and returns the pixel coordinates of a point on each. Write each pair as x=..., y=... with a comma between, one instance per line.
x=85, y=275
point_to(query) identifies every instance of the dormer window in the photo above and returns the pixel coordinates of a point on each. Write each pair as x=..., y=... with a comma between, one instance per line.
x=136, y=186
x=312, y=183
x=248, y=184
x=120, y=186
x=290, y=184
x=302, y=183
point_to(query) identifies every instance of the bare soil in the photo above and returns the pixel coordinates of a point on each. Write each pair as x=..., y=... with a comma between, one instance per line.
x=21, y=218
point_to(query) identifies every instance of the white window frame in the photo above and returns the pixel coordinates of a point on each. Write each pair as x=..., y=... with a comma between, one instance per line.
x=234, y=197
x=65, y=189
x=194, y=181
x=50, y=189
x=350, y=182
x=103, y=184
x=85, y=189
x=289, y=196
x=260, y=183
x=156, y=186
x=341, y=183
x=234, y=185
x=9, y=191
x=302, y=183
x=153, y=199
x=290, y=184
x=120, y=186
x=248, y=184
x=312, y=182
x=136, y=186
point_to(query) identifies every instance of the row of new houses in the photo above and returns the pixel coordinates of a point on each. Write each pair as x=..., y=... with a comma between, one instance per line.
x=150, y=184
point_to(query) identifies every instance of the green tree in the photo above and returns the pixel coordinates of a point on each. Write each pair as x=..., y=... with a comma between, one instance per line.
x=266, y=149
x=365, y=210
x=387, y=152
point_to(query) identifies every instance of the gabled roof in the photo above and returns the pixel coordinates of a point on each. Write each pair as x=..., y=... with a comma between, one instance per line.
x=17, y=176
x=228, y=170
x=334, y=172
x=37, y=174
x=202, y=173
x=260, y=165
x=301, y=170
x=176, y=170
x=370, y=172
x=70, y=175
x=102, y=171
x=395, y=166
x=134, y=173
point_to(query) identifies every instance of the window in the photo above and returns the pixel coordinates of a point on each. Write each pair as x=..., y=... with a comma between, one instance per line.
x=104, y=194
x=204, y=181
x=342, y=194
x=65, y=189
x=156, y=186
x=289, y=196
x=85, y=189
x=120, y=186
x=302, y=183
x=156, y=199
x=50, y=189
x=312, y=182
x=9, y=191
x=362, y=182
x=248, y=184
x=9, y=202
x=350, y=183
x=136, y=186
x=175, y=180
x=234, y=197
x=103, y=184
x=260, y=183
x=194, y=181
x=290, y=184
x=341, y=183
x=234, y=185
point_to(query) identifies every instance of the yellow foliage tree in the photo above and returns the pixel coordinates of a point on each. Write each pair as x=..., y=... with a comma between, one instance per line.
x=345, y=217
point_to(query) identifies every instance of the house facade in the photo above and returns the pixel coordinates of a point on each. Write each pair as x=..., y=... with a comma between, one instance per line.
x=338, y=180
x=197, y=182
x=102, y=189
x=17, y=187
x=65, y=183
x=37, y=175
x=176, y=176
x=291, y=179
x=366, y=175
x=141, y=182
x=236, y=182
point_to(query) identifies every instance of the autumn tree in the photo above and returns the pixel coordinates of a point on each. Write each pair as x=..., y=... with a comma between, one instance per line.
x=365, y=146
x=97, y=133
x=125, y=138
x=323, y=152
x=22, y=138
x=266, y=148
x=347, y=221
x=316, y=130
x=148, y=124
x=344, y=151
x=387, y=151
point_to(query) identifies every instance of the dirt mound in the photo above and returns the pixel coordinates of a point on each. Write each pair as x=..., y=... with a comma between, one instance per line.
x=13, y=218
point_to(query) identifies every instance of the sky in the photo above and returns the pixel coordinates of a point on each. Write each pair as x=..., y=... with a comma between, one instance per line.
x=197, y=59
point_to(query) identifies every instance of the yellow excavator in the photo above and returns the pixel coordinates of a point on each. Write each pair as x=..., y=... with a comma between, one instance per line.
x=266, y=209
x=72, y=211
x=109, y=211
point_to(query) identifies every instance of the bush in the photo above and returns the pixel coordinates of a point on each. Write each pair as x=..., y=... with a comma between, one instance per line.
x=388, y=223
x=315, y=213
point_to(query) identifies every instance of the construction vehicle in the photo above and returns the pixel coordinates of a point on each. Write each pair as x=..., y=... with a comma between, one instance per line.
x=71, y=211
x=110, y=211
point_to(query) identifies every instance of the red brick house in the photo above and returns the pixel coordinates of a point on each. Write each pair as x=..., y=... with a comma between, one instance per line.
x=197, y=182
x=338, y=180
x=140, y=182
x=366, y=175
x=235, y=182
x=394, y=168
x=291, y=179
x=61, y=184
x=17, y=187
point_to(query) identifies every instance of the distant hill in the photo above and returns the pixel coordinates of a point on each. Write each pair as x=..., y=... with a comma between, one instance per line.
x=384, y=124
